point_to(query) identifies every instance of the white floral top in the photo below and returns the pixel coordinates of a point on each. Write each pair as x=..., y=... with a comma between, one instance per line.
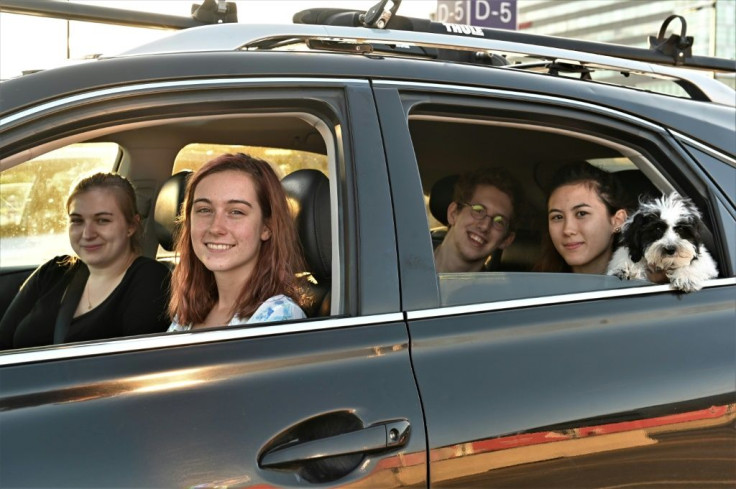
x=276, y=308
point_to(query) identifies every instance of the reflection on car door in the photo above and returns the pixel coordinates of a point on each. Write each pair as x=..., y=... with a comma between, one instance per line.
x=593, y=393
x=207, y=414
x=329, y=402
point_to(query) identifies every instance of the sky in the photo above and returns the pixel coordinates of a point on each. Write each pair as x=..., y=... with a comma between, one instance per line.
x=28, y=43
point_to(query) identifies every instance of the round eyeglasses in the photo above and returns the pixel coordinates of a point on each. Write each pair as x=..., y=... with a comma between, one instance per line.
x=479, y=212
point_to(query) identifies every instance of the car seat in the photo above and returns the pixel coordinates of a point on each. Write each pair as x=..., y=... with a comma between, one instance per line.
x=169, y=200
x=636, y=186
x=309, y=193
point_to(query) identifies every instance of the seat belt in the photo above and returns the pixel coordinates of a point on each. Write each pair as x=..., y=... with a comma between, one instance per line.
x=69, y=302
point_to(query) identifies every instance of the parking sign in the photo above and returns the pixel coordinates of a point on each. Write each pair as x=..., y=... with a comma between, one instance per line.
x=500, y=14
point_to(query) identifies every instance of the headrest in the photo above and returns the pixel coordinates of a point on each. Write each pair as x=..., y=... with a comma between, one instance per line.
x=168, y=205
x=309, y=195
x=636, y=185
x=440, y=197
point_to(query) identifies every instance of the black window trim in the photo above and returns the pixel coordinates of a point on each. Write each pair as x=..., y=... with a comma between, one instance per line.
x=641, y=160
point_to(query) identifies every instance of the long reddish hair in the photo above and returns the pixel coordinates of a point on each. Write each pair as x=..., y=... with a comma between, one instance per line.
x=193, y=287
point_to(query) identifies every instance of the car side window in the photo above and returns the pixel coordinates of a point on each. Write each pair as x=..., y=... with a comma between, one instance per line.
x=449, y=145
x=33, y=220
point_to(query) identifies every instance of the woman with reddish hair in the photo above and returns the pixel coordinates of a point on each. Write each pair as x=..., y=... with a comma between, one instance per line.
x=237, y=247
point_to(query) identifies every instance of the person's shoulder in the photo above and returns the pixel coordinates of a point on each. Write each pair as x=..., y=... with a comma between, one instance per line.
x=175, y=326
x=59, y=265
x=146, y=265
x=277, y=308
x=57, y=269
x=281, y=300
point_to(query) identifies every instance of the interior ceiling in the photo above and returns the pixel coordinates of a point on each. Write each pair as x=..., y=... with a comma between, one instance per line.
x=443, y=148
x=277, y=132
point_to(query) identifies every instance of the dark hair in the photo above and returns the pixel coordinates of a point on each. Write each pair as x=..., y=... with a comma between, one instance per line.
x=124, y=194
x=606, y=186
x=193, y=287
x=492, y=176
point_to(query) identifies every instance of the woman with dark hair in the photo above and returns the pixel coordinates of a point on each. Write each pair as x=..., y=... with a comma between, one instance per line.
x=116, y=291
x=585, y=211
x=237, y=247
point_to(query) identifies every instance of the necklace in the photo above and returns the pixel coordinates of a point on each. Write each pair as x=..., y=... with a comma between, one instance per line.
x=89, y=298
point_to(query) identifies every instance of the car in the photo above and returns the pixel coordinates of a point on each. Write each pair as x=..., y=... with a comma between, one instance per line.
x=400, y=376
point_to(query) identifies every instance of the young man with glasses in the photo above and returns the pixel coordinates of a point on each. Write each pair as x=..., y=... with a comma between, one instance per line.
x=480, y=220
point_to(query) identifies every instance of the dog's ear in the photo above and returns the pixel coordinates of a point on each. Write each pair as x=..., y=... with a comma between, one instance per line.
x=631, y=236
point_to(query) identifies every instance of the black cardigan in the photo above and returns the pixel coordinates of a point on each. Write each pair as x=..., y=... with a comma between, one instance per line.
x=136, y=306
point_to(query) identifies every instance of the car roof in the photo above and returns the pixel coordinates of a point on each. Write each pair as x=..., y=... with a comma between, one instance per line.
x=232, y=37
x=715, y=125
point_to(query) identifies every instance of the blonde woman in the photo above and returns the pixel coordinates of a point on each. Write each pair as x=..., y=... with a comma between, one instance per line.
x=119, y=292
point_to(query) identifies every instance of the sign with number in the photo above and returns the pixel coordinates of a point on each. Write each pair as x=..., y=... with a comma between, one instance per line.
x=500, y=14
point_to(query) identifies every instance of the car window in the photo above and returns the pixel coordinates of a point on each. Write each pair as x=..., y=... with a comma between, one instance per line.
x=33, y=219
x=148, y=153
x=448, y=144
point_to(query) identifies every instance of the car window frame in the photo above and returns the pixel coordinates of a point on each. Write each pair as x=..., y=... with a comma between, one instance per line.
x=337, y=105
x=656, y=137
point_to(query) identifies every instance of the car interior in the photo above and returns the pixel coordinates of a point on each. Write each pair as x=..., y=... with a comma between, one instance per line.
x=151, y=155
x=530, y=154
x=148, y=153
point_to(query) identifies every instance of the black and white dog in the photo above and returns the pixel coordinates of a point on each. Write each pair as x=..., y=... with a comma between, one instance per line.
x=663, y=235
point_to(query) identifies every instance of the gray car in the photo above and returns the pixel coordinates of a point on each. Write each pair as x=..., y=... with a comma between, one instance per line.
x=400, y=376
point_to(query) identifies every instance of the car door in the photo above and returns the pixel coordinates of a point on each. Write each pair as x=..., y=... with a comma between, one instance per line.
x=559, y=380
x=328, y=401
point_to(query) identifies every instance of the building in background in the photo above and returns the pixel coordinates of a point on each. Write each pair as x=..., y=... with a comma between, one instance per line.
x=712, y=23
x=30, y=43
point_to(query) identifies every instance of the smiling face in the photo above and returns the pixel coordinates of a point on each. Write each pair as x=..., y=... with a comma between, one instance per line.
x=469, y=240
x=98, y=231
x=581, y=227
x=227, y=225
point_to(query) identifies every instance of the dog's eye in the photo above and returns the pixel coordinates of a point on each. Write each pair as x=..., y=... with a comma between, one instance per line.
x=658, y=227
x=684, y=231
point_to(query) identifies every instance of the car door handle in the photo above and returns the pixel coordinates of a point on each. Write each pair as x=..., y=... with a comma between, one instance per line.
x=382, y=436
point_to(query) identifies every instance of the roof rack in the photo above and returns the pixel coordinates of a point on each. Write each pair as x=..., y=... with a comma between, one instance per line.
x=673, y=51
x=379, y=30
x=232, y=37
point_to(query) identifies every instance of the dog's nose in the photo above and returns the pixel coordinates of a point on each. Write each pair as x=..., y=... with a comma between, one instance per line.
x=670, y=250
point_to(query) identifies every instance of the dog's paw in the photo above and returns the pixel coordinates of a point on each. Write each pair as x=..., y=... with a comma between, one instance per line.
x=684, y=282
x=628, y=271
x=620, y=273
